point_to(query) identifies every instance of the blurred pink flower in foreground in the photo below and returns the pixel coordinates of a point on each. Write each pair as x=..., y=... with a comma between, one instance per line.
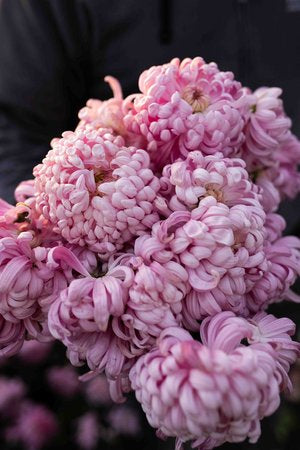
x=12, y=391
x=34, y=428
x=88, y=431
x=97, y=391
x=124, y=420
x=35, y=352
x=63, y=380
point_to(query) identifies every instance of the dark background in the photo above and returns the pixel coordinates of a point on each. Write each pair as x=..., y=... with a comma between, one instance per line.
x=54, y=55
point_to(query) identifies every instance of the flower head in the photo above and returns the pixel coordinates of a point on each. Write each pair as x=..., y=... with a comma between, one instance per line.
x=283, y=268
x=267, y=128
x=185, y=106
x=104, y=114
x=95, y=191
x=12, y=336
x=220, y=248
x=185, y=183
x=85, y=315
x=210, y=393
x=155, y=302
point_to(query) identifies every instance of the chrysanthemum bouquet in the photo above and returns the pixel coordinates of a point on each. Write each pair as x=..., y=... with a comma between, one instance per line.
x=149, y=245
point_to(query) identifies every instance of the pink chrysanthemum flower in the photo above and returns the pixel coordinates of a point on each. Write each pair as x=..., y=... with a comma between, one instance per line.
x=24, y=190
x=188, y=105
x=107, y=114
x=155, y=301
x=23, y=217
x=213, y=392
x=95, y=191
x=26, y=282
x=23, y=272
x=186, y=183
x=267, y=128
x=274, y=226
x=12, y=218
x=280, y=179
x=85, y=316
x=12, y=336
x=31, y=276
x=277, y=333
x=283, y=268
x=221, y=249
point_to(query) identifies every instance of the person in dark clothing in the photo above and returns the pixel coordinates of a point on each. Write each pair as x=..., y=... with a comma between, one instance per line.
x=54, y=55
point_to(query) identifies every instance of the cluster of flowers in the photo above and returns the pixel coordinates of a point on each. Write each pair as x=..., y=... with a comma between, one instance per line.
x=31, y=425
x=156, y=218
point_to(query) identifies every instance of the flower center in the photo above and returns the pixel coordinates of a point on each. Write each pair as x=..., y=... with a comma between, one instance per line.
x=214, y=191
x=239, y=240
x=196, y=98
x=255, y=174
x=98, y=272
x=102, y=176
x=99, y=177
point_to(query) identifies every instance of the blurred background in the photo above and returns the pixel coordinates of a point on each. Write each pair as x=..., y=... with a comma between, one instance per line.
x=54, y=55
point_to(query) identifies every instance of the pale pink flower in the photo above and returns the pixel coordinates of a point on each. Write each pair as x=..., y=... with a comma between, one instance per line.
x=25, y=280
x=221, y=249
x=4, y=207
x=277, y=333
x=283, y=268
x=22, y=275
x=271, y=151
x=267, y=127
x=274, y=226
x=63, y=380
x=88, y=431
x=24, y=190
x=12, y=336
x=12, y=218
x=199, y=176
x=213, y=392
x=31, y=277
x=105, y=114
x=26, y=216
x=96, y=191
x=270, y=196
x=188, y=105
x=67, y=263
x=155, y=302
x=277, y=183
x=85, y=315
